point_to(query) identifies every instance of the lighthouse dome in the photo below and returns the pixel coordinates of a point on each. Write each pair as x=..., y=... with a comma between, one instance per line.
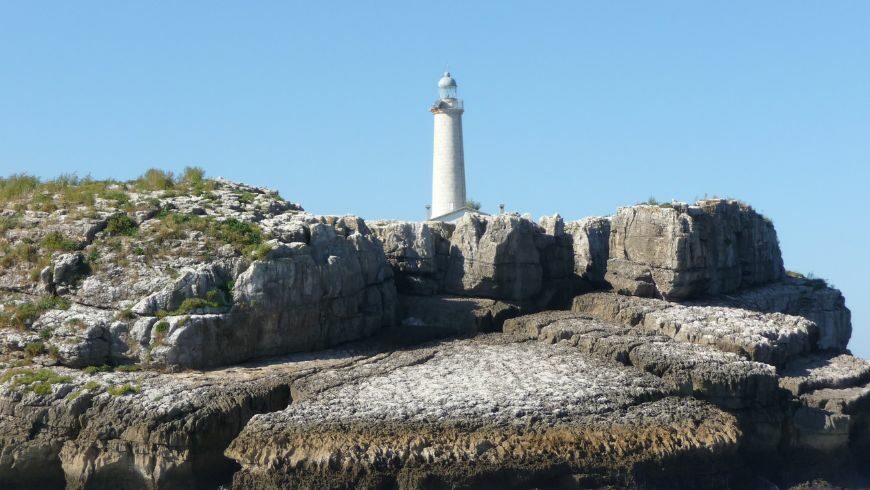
x=446, y=81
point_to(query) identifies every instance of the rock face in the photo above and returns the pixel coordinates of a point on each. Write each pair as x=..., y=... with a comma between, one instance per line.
x=494, y=257
x=305, y=296
x=504, y=257
x=418, y=253
x=191, y=281
x=481, y=412
x=590, y=239
x=455, y=315
x=680, y=251
x=136, y=430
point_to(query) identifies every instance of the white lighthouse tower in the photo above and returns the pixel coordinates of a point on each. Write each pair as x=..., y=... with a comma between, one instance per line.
x=448, y=157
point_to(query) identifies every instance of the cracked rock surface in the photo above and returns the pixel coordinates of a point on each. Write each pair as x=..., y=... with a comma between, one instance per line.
x=773, y=338
x=484, y=410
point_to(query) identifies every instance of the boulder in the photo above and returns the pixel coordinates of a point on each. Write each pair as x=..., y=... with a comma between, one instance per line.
x=680, y=251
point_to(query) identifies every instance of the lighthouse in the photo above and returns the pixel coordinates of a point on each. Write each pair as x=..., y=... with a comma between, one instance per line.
x=448, y=157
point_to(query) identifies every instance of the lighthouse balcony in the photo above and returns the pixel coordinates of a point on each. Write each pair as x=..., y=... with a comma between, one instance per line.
x=447, y=104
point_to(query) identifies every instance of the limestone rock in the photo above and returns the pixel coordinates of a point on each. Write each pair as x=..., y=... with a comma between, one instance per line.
x=681, y=251
x=155, y=431
x=591, y=247
x=236, y=271
x=771, y=338
x=505, y=257
x=455, y=315
x=494, y=257
x=812, y=299
x=473, y=412
x=722, y=378
x=824, y=370
x=68, y=268
x=193, y=283
x=417, y=252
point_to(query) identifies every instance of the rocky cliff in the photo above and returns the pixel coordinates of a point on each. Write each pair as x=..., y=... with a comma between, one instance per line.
x=662, y=347
x=204, y=278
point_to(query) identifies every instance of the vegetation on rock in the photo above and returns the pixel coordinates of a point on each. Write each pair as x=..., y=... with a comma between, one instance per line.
x=24, y=314
x=38, y=381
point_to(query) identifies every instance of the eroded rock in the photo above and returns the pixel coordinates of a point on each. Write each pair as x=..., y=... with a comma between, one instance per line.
x=680, y=251
x=477, y=412
x=771, y=338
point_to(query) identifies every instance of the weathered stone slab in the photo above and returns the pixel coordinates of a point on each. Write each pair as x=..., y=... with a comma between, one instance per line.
x=138, y=429
x=725, y=379
x=772, y=338
x=680, y=251
x=474, y=412
x=823, y=370
x=812, y=299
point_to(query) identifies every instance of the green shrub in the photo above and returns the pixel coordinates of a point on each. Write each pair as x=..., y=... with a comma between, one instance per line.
x=125, y=314
x=17, y=185
x=214, y=296
x=121, y=390
x=45, y=333
x=75, y=322
x=23, y=315
x=244, y=237
x=89, y=386
x=193, y=175
x=34, y=349
x=34, y=380
x=120, y=197
x=55, y=241
x=155, y=179
x=120, y=224
x=9, y=223
x=128, y=368
x=472, y=204
x=92, y=370
x=160, y=331
x=261, y=251
x=41, y=388
x=241, y=234
x=246, y=197
x=22, y=252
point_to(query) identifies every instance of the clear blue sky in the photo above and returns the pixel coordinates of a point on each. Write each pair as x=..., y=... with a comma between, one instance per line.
x=571, y=107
